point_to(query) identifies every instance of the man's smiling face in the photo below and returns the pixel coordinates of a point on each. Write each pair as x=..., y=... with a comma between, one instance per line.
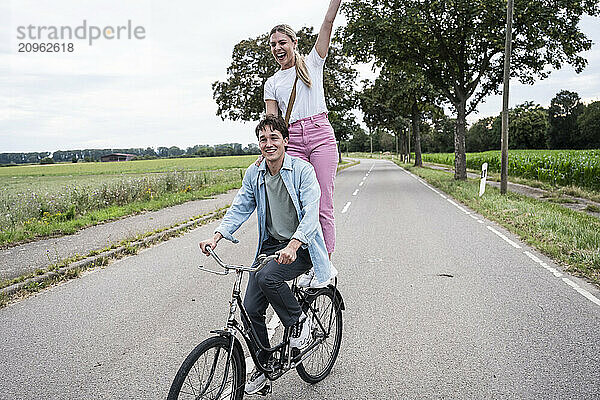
x=272, y=144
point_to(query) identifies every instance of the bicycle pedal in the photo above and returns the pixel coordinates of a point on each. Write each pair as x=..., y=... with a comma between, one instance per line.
x=267, y=389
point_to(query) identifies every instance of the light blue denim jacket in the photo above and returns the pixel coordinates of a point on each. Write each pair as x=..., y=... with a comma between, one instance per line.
x=301, y=183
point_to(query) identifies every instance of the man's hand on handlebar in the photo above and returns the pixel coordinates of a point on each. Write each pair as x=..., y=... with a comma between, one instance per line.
x=288, y=254
x=212, y=243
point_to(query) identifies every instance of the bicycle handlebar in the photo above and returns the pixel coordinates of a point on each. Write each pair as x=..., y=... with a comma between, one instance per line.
x=262, y=259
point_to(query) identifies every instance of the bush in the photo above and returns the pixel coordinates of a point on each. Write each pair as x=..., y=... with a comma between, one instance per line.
x=47, y=160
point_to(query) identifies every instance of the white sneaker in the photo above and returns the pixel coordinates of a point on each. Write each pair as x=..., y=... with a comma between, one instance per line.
x=300, y=336
x=309, y=280
x=255, y=382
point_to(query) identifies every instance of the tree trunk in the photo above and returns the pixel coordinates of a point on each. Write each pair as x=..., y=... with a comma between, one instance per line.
x=460, y=157
x=416, y=122
x=340, y=152
x=408, y=145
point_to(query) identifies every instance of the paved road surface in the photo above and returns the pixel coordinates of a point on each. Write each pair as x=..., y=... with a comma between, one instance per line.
x=439, y=305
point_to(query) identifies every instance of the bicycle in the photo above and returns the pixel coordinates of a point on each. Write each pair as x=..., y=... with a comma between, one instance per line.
x=216, y=368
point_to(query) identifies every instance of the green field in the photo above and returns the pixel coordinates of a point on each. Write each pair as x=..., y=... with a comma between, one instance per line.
x=558, y=167
x=130, y=167
x=42, y=200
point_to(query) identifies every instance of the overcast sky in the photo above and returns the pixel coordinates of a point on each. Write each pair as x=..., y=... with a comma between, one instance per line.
x=157, y=91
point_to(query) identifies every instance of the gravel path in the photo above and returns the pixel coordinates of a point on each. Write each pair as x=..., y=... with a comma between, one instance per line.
x=28, y=257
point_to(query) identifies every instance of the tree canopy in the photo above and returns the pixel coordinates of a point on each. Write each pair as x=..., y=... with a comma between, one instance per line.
x=458, y=44
x=589, y=126
x=394, y=98
x=564, y=109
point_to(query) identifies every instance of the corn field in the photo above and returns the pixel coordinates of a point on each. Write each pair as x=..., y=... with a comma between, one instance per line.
x=558, y=167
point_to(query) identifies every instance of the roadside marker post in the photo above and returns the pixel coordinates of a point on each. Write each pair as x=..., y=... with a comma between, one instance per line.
x=484, y=168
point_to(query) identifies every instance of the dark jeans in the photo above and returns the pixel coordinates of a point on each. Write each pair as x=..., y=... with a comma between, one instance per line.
x=268, y=286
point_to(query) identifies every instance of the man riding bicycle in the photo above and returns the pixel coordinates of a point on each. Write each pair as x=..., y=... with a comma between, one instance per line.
x=285, y=192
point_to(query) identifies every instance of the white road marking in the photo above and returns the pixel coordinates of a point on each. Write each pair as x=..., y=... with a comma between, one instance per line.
x=582, y=291
x=513, y=244
x=360, y=184
x=473, y=216
x=543, y=264
x=458, y=206
x=364, y=177
x=346, y=207
x=533, y=257
x=355, y=192
x=480, y=221
x=271, y=327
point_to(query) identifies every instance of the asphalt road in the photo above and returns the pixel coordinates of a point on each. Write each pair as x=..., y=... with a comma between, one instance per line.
x=439, y=305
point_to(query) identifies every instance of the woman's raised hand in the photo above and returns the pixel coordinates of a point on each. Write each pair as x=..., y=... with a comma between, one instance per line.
x=324, y=38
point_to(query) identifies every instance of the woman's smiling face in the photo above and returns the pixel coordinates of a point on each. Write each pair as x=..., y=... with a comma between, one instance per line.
x=282, y=48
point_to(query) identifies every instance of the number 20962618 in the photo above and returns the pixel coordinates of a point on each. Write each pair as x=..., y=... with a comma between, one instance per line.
x=46, y=48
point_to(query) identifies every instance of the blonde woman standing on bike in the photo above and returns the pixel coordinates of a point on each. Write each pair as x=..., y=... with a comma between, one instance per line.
x=311, y=136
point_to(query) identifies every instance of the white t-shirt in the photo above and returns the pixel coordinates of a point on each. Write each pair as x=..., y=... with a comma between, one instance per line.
x=309, y=101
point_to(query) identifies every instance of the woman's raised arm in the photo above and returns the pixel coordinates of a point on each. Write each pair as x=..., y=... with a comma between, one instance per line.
x=324, y=38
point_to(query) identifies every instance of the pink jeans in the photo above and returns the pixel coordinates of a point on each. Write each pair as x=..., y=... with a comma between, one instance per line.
x=312, y=140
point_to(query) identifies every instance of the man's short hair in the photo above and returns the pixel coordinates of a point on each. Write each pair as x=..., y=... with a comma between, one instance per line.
x=276, y=123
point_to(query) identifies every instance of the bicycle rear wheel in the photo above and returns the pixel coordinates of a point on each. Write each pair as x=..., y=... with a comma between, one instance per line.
x=325, y=308
x=202, y=374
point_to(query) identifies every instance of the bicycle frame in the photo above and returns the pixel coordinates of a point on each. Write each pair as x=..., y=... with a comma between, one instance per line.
x=286, y=360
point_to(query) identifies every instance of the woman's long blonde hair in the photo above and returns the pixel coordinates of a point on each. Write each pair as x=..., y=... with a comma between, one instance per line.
x=301, y=69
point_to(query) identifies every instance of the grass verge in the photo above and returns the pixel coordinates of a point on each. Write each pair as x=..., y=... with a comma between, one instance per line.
x=569, y=237
x=47, y=228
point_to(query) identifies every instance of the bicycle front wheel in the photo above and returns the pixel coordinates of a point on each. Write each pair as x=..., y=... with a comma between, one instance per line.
x=209, y=372
x=323, y=308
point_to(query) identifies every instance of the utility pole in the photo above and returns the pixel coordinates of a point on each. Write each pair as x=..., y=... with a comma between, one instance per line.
x=507, y=52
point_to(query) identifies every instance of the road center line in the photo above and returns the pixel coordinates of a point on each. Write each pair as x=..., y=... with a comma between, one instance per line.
x=360, y=184
x=513, y=244
x=364, y=177
x=346, y=207
x=355, y=192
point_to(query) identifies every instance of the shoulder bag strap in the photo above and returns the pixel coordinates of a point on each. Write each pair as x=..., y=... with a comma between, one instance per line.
x=291, y=103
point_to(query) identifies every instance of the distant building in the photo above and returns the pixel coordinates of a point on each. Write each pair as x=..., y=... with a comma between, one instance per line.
x=117, y=157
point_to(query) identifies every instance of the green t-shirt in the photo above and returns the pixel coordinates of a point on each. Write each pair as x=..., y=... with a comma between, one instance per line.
x=282, y=219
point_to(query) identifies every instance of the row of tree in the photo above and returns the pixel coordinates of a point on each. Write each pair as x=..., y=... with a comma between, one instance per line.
x=566, y=124
x=452, y=52
x=228, y=149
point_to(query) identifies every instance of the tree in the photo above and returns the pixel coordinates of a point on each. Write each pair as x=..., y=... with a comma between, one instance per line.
x=458, y=45
x=395, y=96
x=564, y=109
x=360, y=141
x=162, y=152
x=527, y=126
x=482, y=136
x=439, y=139
x=589, y=126
x=240, y=97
